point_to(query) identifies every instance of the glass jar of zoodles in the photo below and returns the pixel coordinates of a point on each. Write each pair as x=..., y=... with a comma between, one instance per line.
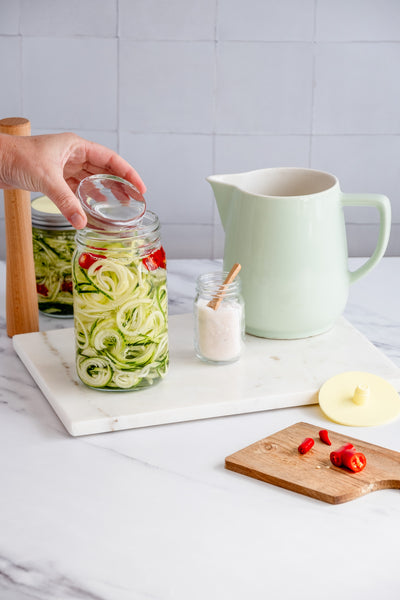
x=120, y=306
x=53, y=246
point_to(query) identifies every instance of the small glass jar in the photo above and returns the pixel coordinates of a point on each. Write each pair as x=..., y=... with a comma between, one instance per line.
x=53, y=246
x=218, y=333
x=120, y=307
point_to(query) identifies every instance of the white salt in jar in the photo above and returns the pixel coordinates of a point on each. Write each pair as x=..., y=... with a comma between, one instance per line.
x=219, y=332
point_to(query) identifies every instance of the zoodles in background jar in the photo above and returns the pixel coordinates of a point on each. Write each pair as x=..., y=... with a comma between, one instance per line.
x=53, y=247
x=120, y=307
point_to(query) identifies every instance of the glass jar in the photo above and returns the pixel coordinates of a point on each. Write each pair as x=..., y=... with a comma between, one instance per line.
x=218, y=333
x=120, y=307
x=53, y=246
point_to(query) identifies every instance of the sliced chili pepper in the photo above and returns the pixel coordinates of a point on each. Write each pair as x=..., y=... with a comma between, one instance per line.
x=87, y=259
x=66, y=286
x=42, y=289
x=324, y=437
x=353, y=460
x=155, y=260
x=306, y=445
x=336, y=455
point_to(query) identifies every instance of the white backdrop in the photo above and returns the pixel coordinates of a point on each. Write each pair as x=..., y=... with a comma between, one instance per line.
x=187, y=88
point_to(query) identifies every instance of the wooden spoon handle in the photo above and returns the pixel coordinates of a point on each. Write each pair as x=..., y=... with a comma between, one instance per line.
x=21, y=298
x=217, y=299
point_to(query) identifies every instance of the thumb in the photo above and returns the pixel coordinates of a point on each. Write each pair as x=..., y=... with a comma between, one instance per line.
x=63, y=197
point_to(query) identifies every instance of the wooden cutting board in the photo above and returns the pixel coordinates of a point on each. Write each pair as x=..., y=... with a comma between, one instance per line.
x=276, y=459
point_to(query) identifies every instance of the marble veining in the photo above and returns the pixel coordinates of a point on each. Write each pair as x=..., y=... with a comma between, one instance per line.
x=151, y=513
x=33, y=582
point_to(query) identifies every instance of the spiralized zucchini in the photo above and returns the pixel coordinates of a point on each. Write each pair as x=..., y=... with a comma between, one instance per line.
x=120, y=311
x=53, y=251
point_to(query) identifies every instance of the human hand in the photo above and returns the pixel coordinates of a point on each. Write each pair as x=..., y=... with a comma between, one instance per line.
x=55, y=164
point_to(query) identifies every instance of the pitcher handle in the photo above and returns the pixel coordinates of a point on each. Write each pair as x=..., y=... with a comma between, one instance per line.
x=382, y=203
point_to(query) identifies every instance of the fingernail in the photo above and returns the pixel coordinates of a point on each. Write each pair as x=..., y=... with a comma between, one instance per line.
x=78, y=221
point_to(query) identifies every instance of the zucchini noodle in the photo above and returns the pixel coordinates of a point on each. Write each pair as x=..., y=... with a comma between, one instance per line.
x=52, y=251
x=120, y=311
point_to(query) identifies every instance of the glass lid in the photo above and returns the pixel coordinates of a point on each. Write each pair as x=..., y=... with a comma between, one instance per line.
x=110, y=203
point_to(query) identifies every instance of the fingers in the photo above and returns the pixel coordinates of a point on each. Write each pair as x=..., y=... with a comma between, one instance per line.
x=100, y=157
x=68, y=203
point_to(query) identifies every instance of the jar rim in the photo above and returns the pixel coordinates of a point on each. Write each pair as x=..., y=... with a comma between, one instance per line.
x=149, y=224
x=209, y=283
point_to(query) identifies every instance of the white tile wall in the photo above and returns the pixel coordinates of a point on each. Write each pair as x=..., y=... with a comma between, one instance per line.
x=357, y=20
x=186, y=88
x=235, y=153
x=166, y=86
x=356, y=88
x=70, y=83
x=169, y=20
x=271, y=20
x=9, y=17
x=56, y=18
x=362, y=163
x=10, y=75
x=174, y=168
x=264, y=87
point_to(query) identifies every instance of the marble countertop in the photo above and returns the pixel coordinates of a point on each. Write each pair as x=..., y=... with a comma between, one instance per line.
x=151, y=513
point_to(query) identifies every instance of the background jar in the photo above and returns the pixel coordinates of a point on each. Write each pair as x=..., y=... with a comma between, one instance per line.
x=53, y=246
x=218, y=334
x=120, y=307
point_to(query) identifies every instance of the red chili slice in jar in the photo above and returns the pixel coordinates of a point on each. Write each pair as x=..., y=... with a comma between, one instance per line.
x=42, y=289
x=87, y=259
x=66, y=286
x=156, y=260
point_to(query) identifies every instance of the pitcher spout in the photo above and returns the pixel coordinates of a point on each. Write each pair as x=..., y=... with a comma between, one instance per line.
x=222, y=189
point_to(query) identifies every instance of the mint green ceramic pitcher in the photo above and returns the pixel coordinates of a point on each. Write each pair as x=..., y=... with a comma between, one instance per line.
x=286, y=228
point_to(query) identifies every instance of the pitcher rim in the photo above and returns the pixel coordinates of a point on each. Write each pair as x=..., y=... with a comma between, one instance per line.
x=216, y=177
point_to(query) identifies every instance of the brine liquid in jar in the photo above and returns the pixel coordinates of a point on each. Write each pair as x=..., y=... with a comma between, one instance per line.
x=121, y=306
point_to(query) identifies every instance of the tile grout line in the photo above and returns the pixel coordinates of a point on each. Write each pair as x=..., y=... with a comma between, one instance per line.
x=313, y=84
x=214, y=127
x=21, y=62
x=118, y=93
x=190, y=41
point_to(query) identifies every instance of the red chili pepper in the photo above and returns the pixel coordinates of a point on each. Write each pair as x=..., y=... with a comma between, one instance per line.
x=353, y=460
x=324, y=437
x=306, y=445
x=66, y=286
x=87, y=259
x=336, y=455
x=42, y=289
x=155, y=260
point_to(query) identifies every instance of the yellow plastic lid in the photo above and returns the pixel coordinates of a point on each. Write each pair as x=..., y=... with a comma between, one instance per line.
x=46, y=215
x=359, y=399
x=43, y=204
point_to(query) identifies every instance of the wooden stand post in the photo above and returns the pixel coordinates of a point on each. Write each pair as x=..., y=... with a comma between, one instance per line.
x=21, y=298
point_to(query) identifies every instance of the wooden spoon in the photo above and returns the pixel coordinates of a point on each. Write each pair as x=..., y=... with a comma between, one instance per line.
x=21, y=299
x=216, y=301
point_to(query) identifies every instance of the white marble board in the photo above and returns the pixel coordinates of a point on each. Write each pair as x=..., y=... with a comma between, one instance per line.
x=270, y=374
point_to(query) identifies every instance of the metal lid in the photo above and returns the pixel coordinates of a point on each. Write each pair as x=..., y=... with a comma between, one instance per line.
x=46, y=215
x=110, y=203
